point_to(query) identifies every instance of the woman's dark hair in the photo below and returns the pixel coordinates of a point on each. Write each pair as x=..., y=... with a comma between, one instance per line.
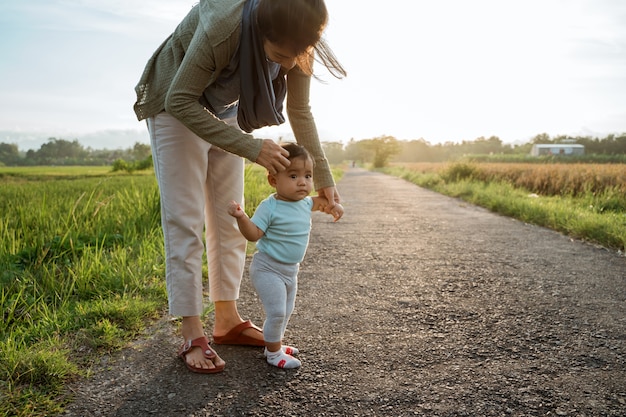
x=298, y=25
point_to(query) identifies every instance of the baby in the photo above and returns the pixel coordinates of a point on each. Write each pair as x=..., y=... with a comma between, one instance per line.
x=281, y=226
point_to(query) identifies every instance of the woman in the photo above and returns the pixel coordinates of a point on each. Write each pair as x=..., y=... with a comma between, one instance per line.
x=228, y=67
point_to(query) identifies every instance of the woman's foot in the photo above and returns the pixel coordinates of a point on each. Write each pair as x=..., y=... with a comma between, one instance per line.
x=211, y=362
x=227, y=319
x=237, y=336
x=281, y=360
x=195, y=357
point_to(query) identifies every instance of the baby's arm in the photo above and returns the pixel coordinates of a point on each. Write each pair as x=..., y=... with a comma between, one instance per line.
x=248, y=229
x=320, y=204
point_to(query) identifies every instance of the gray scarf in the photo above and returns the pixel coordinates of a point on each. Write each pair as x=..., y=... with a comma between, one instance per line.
x=261, y=98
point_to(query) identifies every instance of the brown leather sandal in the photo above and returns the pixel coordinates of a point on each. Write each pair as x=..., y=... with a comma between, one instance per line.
x=236, y=337
x=203, y=343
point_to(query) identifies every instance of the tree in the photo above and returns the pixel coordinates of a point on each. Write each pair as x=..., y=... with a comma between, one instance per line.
x=9, y=154
x=334, y=152
x=541, y=138
x=60, y=152
x=484, y=146
x=141, y=151
x=382, y=149
x=354, y=151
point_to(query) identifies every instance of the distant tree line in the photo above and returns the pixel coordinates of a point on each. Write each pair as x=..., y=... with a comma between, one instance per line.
x=376, y=151
x=382, y=150
x=63, y=152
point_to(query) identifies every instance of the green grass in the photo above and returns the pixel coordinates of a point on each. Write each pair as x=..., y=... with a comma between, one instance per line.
x=81, y=273
x=81, y=270
x=52, y=173
x=595, y=217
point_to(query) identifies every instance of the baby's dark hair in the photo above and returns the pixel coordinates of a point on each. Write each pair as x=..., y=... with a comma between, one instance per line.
x=297, y=151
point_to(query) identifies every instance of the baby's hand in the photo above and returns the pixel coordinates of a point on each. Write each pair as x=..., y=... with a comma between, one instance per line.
x=234, y=209
x=337, y=211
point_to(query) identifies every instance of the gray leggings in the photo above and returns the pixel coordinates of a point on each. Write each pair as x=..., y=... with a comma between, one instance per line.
x=277, y=284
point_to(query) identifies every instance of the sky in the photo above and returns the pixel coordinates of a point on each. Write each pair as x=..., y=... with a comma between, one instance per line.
x=442, y=71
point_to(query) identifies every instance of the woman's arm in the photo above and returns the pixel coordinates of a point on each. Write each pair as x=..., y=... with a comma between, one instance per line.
x=303, y=125
x=200, y=66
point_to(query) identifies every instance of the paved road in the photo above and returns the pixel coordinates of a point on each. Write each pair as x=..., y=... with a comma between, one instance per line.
x=412, y=304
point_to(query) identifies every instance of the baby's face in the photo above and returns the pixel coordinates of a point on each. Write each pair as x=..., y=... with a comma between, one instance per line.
x=296, y=182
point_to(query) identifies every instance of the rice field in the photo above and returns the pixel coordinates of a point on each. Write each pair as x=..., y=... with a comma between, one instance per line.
x=81, y=273
x=543, y=179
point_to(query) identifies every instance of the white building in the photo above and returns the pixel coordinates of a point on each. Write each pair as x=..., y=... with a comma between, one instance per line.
x=557, y=149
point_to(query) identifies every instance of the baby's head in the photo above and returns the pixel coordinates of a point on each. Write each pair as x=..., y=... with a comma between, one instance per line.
x=297, y=151
x=295, y=182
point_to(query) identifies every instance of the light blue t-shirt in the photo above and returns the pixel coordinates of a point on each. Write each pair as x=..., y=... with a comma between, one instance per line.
x=287, y=225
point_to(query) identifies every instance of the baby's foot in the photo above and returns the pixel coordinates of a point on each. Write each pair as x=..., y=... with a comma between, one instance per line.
x=281, y=360
x=289, y=350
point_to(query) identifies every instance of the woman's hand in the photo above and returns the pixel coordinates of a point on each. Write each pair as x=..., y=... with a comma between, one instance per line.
x=329, y=205
x=331, y=195
x=273, y=157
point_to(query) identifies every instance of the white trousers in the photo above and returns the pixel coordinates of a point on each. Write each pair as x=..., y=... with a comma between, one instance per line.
x=196, y=183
